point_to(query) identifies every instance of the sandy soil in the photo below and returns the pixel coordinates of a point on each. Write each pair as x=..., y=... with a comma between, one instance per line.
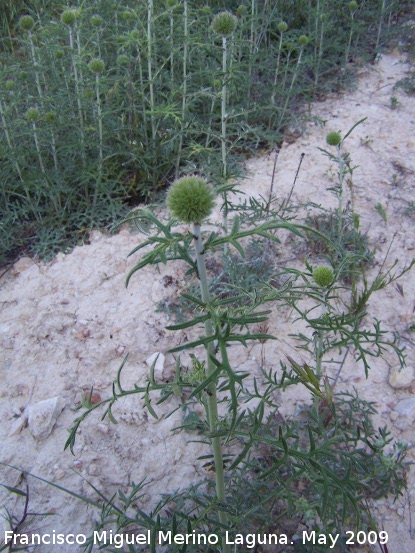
x=67, y=325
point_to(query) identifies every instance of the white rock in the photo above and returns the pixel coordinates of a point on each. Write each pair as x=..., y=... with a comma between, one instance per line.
x=401, y=378
x=43, y=416
x=158, y=359
x=406, y=408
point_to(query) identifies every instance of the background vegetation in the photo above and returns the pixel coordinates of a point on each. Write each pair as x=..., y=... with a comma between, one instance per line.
x=80, y=142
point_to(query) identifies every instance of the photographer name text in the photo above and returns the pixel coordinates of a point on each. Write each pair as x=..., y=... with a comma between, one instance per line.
x=168, y=538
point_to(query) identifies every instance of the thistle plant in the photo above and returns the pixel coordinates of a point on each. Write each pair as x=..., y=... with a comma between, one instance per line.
x=191, y=200
x=329, y=445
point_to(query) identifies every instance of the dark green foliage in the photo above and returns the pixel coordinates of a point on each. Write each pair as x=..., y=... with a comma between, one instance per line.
x=118, y=137
x=343, y=251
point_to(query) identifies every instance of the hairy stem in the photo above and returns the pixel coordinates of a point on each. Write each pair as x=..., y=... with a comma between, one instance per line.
x=212, y=403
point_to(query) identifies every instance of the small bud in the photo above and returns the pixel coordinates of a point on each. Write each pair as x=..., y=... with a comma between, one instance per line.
x=323, y=275
x=97, y=21
x=190, y=199
x=96, y=65
x=32, y=115
x=333, y=138
x=50, y=117
x=242, y=10
x=224, y=23
x=9, y=84
x=59, y=54
x=353, y=5
x=303, y=40
x=123, y=60
x=217, y=83
x=69, y=17
x=135, y=35
x=26, y=23
x=282, y=26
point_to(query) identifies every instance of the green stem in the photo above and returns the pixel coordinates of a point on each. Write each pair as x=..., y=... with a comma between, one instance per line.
x=150, y=69
x=212, y=403
x=100, y=147
x=78, y=99
x=42, y=167
x=296, y=71
x=184, y=91
x=342, y=171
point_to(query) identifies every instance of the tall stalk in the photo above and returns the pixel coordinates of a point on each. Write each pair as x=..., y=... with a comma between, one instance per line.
x=353, y=8
x=224, y=24
x=97, y=66
x=382, y=14
x=150, y=70
x=282, y=27
x=68, y=18
x=319, y=54
x=302, y=41
x=184, y=77
x=32, y=115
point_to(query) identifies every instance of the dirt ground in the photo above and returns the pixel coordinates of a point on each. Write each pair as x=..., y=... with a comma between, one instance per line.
x=66, y=326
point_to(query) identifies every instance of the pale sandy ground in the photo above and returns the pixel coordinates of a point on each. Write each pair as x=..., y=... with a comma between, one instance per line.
x=66, y=326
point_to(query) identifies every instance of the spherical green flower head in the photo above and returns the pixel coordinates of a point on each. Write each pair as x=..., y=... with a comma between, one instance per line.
x=97, y=21
x=323, y=275
x=26, y=23
x=224, y=23
x=282, y=26
x=32, y=115
x=353, y=5
x=191, y=199
x=68, y=17
x=333, y=138
x=123, y=60
x=303, y=40
x=96, y=65
x=9, y=84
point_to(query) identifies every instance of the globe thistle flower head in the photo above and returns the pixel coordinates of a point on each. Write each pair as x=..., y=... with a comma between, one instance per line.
x=97, y=21
x=224, y=23
x=282, y=26
x=96, y=65
x=353, y=5
x=190, y=199
x=26, y=23
x=32, y=115
x=323, y=275
x=123, y=60
x=333, y=138
x=303, y=40
x=69, y=17
x=9, y=84
x=50, y=117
